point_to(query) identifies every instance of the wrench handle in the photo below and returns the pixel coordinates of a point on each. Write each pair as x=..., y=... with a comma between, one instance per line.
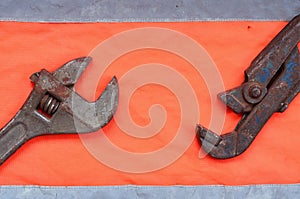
x=12, y=137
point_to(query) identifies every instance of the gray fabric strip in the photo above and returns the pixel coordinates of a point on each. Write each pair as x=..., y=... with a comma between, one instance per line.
x=146, y=11
x=132, y=192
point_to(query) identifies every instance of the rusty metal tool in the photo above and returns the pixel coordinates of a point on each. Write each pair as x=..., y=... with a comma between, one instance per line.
x=271, y=82
x=53, y=107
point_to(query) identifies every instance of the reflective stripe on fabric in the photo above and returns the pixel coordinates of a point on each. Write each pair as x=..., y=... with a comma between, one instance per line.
x=141, y=192
x=147, y=11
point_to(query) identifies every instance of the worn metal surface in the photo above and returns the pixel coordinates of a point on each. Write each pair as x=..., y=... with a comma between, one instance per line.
x=271, y=82
x=53, y=108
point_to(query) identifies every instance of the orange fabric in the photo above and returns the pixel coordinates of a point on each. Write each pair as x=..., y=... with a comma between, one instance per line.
x=62, y=159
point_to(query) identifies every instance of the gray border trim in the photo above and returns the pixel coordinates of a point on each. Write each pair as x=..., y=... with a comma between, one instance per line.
x=147, y=11
x=132, y=192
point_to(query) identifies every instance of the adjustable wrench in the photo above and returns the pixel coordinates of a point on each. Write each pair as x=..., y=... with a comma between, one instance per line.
x=53, y=107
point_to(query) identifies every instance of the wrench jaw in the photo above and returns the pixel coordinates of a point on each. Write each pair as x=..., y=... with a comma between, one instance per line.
x=235, y=101
x=67, y=111
x=219, y=147
x=107, y=103
x=80, y=116
x=69, y=73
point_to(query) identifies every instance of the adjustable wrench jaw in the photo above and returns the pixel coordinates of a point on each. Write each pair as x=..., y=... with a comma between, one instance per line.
x=69, y=73
x=73, y=114
x=54, y=108
x=271, y=82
